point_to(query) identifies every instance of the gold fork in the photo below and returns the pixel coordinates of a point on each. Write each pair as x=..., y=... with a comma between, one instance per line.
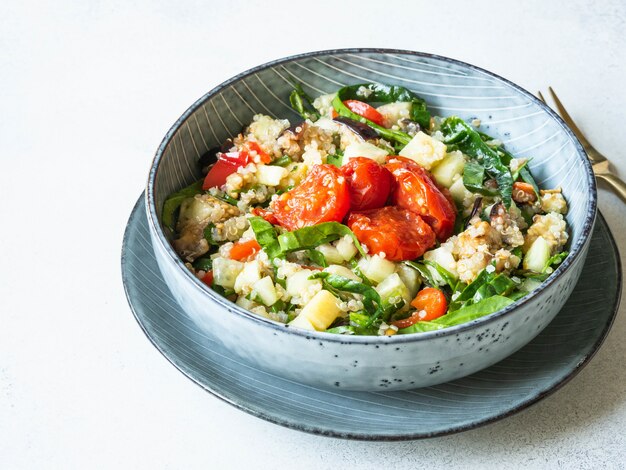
x=600, y=164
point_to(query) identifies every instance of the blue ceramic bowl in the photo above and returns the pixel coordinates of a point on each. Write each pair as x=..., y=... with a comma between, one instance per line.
x=526, y=126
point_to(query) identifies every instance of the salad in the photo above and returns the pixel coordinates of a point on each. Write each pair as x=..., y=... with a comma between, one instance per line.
x=368, y=216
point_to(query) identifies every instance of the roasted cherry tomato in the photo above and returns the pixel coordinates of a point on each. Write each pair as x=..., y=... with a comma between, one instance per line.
x=322, y=196
x=363, y=109
x=369, y=183
x=208, y=278
x=399, y=233
x=415, y=189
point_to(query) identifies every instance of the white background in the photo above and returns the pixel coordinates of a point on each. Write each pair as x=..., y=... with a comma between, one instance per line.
x=88, y=89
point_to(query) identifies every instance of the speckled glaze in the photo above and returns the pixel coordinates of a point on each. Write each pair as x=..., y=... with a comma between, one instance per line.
x=526, y=126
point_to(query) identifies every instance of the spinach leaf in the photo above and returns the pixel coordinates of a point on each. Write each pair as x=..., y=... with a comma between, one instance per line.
x=226, y=198
x=342, y=330
x=424, y=272
x=462, y=315
x=379, y=93
x=446, y=275
x=371, y=298
x=362, y=324
x=457, y=131
x=554, y=261
x=208, y=235
x=523, y=172
x=265, y=234
x=311, y=237
x=173, y=202
x=334, y=160
x=203, y=264
x=302, y=103
x=317, y=257
x=282, y=161
x=473, y=178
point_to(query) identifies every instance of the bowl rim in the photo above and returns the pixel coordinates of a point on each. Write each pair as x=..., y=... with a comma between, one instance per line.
x=574, y=254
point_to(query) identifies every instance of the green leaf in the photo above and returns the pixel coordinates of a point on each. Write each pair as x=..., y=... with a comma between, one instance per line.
x=462, y=315
x=473, y=178
x=302, y=103
x=379, y=93
x=173, y=202
x=421, y=268
x=342, y=330
x=226, y=198
x=446, y=275
x=554, y=261
x=317, y=257
x=265, y=234
x=282, y=161
x=457, y=131
x=334, y=160
x=371, y=298
x=311, y=237
x=203, y=264
x=208, y=235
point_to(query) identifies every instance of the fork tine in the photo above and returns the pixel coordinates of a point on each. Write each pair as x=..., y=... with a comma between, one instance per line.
x=568, y=119
x=541, y=97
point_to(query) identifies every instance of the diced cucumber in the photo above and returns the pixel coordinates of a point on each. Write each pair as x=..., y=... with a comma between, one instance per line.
x=392, y=288
x=364, y=149
x=321, y=310
x=303, y=322
x=342, y=271
x=459, y=192
x=443, y=258
x=346, y=248
x=376, y=269
x=331, y=253
x=537, y=255
x=424, y=150
x=250, y=274
x=530, y=285
x=410, y=278
x=393, y=112
x=270, y=175
x=449, y=169
x=226, y=271
x=266, y=291
x=299, y=282
x=243, y=302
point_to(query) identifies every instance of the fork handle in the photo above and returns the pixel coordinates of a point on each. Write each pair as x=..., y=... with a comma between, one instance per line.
x=617, y=184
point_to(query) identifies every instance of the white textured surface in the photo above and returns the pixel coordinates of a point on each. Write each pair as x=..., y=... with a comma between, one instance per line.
x=87, y=90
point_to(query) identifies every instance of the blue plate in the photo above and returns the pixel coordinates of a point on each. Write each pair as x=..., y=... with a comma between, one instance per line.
x=534, y=372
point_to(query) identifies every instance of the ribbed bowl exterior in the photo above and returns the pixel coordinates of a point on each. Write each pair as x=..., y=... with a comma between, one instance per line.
x=526, y=126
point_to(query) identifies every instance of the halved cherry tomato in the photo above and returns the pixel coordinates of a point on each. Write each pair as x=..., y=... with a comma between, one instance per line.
x=362, y=109
x=369, y=182
x=208, y=278
x=399, y=233
x=322, y=196
x=226, y=164
x=242, y=250
x=416, y=190
x=430, y=303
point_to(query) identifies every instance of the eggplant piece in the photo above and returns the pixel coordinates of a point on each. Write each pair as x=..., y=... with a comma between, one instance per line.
x=475, y=210
x=362, y=130
x=210, y=156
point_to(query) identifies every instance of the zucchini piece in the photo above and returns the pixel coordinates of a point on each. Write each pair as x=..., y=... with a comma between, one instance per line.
x=449, y=169
x=364, y=149
x=425, y=150
x=226, y=271
x=537, y=255
x=265, y=290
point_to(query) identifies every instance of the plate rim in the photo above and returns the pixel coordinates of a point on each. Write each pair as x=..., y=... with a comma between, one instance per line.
x=582, y=362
